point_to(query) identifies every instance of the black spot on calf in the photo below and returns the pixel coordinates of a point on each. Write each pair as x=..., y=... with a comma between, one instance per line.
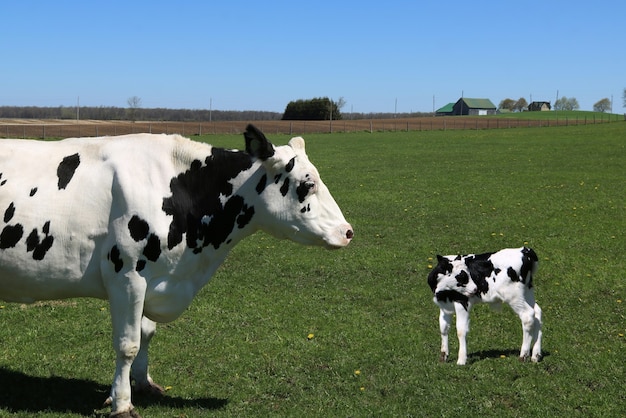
x=452, y=296
x=33, y=191
x=66, y=170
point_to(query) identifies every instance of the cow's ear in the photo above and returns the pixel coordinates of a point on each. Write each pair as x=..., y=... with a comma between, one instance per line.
x=439, y=258
x=257, y=144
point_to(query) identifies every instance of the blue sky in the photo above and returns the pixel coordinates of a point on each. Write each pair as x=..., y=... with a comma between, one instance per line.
x=251, y=55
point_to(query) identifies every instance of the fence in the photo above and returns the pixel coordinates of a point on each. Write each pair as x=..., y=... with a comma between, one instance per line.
x=64, y=129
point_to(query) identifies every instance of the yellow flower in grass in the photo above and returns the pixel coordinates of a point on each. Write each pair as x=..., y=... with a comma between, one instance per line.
x=310, y=336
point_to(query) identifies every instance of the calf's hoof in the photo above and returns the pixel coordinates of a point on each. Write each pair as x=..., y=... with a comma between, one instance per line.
x=443, y=357
x=131, y=413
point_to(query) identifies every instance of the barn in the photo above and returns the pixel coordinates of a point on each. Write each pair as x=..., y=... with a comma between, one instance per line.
x=474, y=107
x=539, y=107
x=447, y=110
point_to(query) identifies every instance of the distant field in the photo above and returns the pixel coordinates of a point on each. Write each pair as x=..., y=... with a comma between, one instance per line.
x=285, y=330
x=61, y=128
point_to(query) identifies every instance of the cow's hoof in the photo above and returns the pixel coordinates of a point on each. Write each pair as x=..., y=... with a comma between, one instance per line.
x=150, y=389
x=443, y=357
x=131, y=413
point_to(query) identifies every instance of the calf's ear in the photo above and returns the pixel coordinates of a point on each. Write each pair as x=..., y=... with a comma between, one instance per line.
x=257, y=144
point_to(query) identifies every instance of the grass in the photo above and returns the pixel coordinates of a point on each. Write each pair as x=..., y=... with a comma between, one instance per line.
x=285, y=330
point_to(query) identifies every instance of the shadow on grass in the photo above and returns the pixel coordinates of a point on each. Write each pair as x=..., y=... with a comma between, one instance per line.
x=21, y=393
x=485, y=354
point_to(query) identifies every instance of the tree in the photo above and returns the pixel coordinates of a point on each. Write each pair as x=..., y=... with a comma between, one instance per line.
x=566, y=104
x=602, y=105
x=319, y=108
x=134, y=103
x=508, y=104
x=520, y=105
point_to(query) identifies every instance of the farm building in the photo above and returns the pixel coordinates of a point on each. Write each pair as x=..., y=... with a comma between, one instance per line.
x=539, y=107
x=474, y=107
x=447, y=110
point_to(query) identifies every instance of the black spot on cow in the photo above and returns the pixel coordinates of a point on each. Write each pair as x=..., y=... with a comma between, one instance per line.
x=33, y=191
x=305, y=209
x=114, y=257
x=290, y=165
x=196, y=194
x=66, y=170
x=10, y=236
x=138, y=228
x=452, y=296
x=262, y=184
x=216, y=231
x=152, y=250
x=37, y=246
x=284, y=189
x=9, y=212
x=2, y=182
x=277, y=178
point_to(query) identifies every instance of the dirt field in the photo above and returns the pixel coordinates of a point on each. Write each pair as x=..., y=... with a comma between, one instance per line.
x=60, y=128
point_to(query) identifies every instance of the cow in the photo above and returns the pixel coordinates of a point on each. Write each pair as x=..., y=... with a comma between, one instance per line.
x=144, y=221
x=460, y=281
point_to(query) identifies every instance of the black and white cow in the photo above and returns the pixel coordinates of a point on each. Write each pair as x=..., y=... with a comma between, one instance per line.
x=144, y=221
x=460, y=281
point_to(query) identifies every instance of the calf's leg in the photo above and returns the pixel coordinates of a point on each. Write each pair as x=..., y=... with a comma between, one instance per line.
x=445, y=319
x=537, y=334
x=462, y=328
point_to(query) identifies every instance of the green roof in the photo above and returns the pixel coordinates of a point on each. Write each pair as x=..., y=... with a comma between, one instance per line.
x=478, y=103
x=449, y=108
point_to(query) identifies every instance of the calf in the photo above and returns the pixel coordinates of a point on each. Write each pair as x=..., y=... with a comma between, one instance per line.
x=460, y=281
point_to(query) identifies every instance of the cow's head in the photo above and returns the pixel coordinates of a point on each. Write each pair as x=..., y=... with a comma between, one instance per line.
x=297, y=204
x=451, y=281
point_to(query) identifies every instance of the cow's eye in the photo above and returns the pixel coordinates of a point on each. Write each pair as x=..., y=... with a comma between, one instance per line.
x=309, y=184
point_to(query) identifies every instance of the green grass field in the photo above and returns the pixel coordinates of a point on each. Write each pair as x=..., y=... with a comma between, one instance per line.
x=285, y=330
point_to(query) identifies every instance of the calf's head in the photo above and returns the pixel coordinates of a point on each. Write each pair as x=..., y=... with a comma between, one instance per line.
x=451, y=281
x=297, y=204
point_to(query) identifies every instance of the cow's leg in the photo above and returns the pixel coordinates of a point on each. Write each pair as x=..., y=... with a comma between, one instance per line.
x=126, y=297
x=462, y=328
x=537, y=334
x=445, y=319
x=139, y=370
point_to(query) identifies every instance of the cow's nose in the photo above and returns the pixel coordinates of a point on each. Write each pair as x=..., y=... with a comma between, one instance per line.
x=349, y=233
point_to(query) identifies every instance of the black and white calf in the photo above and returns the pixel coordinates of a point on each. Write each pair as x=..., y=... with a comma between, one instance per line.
x=460, y=281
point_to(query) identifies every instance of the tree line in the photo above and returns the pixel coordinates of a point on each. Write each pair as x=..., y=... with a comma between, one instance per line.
x=164, y=114
x=564, y=103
